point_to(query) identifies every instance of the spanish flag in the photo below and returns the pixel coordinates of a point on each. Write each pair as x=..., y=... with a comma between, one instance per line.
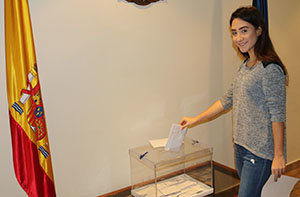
x=31, y=152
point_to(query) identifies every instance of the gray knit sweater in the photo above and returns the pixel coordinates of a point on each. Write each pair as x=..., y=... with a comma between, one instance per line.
x=258, y=98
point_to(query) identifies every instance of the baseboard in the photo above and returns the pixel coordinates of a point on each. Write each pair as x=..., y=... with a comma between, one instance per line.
x=292, y=165
x=225, y=169
x=116, y=192
x=218, y=166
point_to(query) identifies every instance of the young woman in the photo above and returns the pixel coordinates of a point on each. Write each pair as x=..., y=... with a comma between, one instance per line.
x=257, y=96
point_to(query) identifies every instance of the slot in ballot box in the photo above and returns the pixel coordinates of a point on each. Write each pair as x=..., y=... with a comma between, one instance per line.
x=187, y=172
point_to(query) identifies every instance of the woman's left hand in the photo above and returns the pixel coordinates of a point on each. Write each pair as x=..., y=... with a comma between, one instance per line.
x=278, y=167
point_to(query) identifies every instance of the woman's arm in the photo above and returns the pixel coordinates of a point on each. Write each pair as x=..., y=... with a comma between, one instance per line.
x=208, y=114
x=278, y=164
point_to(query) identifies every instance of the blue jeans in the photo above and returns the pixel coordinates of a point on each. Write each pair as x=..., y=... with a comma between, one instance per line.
x=253, y=171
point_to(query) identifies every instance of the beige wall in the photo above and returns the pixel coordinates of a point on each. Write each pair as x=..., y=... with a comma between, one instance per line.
x=115, y=75
x=285, y=31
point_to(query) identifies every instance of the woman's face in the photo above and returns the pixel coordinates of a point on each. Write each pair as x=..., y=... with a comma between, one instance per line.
x=244, y=35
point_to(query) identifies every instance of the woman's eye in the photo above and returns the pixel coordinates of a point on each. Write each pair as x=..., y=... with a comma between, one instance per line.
x=244, y=30
x=233, y=33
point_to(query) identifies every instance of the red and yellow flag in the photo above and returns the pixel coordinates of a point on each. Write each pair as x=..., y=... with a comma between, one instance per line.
x=31, y=152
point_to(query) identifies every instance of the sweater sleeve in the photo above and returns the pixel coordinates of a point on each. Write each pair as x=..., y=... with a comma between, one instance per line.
x=226, y=99
x=274, y=87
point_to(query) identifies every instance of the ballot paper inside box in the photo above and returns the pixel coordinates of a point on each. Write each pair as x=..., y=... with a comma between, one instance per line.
x=156, y=172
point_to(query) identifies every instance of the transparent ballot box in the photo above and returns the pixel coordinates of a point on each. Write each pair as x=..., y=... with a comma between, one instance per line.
x=187, y=172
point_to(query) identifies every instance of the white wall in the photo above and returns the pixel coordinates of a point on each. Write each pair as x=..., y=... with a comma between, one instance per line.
x=114, y=75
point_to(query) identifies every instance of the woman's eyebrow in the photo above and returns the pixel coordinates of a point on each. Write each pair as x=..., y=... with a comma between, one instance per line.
x=243, y=27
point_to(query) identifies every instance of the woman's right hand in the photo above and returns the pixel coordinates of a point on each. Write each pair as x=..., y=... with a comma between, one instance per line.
x=188, y=122
x=211, y=112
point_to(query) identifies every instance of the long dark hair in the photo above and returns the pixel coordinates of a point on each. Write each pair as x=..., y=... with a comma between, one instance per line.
x=263, y=48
